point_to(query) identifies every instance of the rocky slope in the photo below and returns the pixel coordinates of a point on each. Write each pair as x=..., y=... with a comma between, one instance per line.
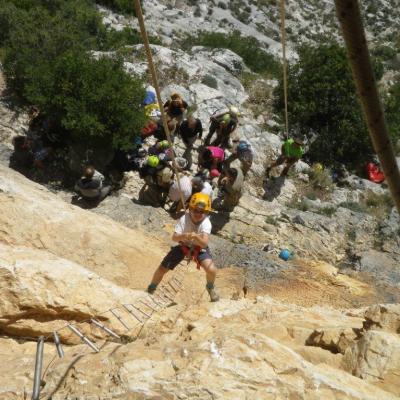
x=319, y=326
x=60, y=264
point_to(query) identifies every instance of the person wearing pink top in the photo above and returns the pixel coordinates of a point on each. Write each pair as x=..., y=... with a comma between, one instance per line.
x=212, y=158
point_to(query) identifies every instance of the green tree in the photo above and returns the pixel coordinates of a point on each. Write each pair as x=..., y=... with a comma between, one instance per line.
x=392, y=110
x=48, y=62
x=322, y=100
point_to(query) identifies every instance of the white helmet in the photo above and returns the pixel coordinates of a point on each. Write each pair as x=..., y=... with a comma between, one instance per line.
x=234, y=111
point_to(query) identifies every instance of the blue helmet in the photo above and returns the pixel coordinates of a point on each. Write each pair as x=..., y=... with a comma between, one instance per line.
x=243, y=145
x=285, y=254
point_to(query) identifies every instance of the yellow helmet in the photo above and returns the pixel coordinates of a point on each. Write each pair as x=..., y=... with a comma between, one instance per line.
x=201, y=201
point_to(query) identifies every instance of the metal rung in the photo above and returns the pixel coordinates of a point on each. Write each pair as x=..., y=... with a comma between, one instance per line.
x=143, y=312
x=165, y=295
x=132, y=313
x=168, y=290
x=104, y=328
x=153, y=299
x=177, y=281
x=120, y=320
x=148, y=305
x=173, y=287
x=83, y=338
x=60, y=350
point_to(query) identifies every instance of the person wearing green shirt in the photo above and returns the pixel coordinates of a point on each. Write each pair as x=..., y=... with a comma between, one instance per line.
x=292, y=150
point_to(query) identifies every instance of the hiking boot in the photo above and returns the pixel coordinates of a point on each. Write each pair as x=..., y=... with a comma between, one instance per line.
x=151, y=289
x=213, y=295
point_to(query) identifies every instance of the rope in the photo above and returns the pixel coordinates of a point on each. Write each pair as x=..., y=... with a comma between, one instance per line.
x=153, y=72
x=284, y=66
x=348, y=13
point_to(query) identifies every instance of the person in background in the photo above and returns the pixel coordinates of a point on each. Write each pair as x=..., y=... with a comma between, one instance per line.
x=241, y=150
x=223, y=124
x=211, y=158
x=190, y=130
x=291, y=151
x=230, y=185
x=176, y=107
x=90, y=185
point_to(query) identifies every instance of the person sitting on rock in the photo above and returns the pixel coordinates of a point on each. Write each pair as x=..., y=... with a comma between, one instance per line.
x=223, y=125
x=156, y=129
x=230, y=185
x=90, y=185
x=176, y=107
x=192, y=232
x=22, y=155
x=291, y=151
x=190, y=130
x=241, y=150
x=211, y=158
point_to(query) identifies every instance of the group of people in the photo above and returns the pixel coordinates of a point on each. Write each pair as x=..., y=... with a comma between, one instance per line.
x=223, y=162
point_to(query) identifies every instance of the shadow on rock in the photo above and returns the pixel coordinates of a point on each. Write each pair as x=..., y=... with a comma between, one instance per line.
x=219, y=220
x=86, y=204
x=273, y=187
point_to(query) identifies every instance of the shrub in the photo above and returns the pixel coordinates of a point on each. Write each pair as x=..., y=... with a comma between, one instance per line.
x=249, y=48
x=48, y=63
x=323, y=100
x=122, y=6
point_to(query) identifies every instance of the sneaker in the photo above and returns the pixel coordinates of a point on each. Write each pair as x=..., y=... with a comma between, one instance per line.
x=151, y=289
x=213, y=295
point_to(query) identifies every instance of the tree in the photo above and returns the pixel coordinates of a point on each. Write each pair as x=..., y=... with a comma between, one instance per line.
x=322, y=99
x=48, y=63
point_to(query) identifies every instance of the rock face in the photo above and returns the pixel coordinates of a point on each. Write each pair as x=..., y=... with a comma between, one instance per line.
x=41, y=291
x=221, y=351
x=97, y=243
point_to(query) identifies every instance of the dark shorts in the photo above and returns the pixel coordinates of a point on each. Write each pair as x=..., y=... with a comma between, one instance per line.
x=175, y=256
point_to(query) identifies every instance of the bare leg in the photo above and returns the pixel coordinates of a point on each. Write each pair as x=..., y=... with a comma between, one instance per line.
x=211, y=273
x=158, y=275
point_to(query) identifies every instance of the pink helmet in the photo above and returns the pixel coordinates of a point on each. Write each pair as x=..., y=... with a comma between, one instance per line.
x=214, y=173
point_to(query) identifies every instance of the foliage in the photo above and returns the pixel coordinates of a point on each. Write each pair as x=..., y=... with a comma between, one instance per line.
x=323, y=101
x=392, y=107
x=122, y=6
x=48, y=63
x=249, y=48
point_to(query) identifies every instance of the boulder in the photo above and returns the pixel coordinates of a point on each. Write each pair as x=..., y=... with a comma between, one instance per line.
x=41, y=291
x=375, y=357
x=385, y=317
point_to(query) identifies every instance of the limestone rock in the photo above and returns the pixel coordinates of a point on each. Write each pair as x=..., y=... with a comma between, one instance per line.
x=384, y=317
x=32, y=216
x=376, y=356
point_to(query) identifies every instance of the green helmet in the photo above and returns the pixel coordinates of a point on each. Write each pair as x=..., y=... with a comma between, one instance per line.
x=164, y=144
x=153, y=161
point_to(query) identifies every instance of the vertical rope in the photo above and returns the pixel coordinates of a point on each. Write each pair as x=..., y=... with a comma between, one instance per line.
x=153, y=72
x=348, y=12
x=284, y=66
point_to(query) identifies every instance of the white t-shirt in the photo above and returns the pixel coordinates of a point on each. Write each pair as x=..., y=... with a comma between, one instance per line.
x=185, y=225
x=186, y=187
x=207, y=189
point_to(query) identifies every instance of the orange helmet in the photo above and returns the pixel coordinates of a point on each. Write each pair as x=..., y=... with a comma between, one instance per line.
x=201, y=201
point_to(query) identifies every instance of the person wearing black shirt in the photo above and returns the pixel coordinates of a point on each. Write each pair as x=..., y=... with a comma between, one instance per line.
x=190, y=130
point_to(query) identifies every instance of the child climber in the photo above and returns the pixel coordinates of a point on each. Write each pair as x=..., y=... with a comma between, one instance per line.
x=192, y=233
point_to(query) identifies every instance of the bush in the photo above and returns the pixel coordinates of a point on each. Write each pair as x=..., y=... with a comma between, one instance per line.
x=249, y=48
x=48, y=63
x=323, y=100
x=122, y=6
